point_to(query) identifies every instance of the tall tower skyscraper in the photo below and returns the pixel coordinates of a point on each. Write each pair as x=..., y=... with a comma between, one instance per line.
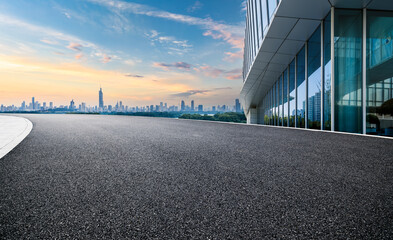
x=72, y=105
x=183, y=106
x=237, y=105
x=101, y=99
x=33, y=103
x=192, y=105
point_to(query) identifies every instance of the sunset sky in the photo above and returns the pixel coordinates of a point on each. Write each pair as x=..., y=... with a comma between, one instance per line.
x=140, y=51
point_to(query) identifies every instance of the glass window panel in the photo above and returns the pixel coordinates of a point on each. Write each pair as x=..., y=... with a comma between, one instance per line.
x=285, y=98
x=272, y=4
x=260, y=23
x=328, y=73
x=255, y=27
x=379, y=114
x=264, y=15
x=301, y=89
x=348, y=70
x=314, y=80
x=280, y=115
x=292, y=94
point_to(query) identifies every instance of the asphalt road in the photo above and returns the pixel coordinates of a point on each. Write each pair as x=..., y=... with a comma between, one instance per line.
x=121, y=177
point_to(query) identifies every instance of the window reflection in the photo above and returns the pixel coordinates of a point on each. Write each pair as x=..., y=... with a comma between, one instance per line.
x=285, y=98
x=379, y=118
x=314, y=80
x=348, y=70
x=327, y=74
x=301, y=89
x=292, y=94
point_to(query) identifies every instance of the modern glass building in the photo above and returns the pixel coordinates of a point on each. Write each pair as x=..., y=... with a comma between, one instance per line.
x=320, y=64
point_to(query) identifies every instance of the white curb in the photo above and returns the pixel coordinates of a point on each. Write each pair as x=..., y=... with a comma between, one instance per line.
x=12, y=131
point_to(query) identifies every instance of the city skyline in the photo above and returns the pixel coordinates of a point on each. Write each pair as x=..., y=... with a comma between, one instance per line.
x=35, y=105
x=140, y=51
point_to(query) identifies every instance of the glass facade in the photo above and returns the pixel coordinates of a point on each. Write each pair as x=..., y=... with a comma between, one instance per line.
x=314, y=80
x=341, y=78
x=285, y=98
x=379, y=104
x=272, y=4
x=327, y=64
x=348, y=33
x=292, y=94
x=301, y=88
x=259, y=15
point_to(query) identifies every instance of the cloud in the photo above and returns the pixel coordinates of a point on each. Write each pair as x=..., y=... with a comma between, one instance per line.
x=195, y=92
x=234, y=74
x=177, y=65
x=233, y=34
x=106, y=58
x=74, y=43
x=210, y=71
x=233, y=56
x=133, y=75
x=50, y=42
x=173, y=45
x=213, y=72
x=79, y=56
x=67, y=15
x=75, y=46
x=206, y=70
x=244, y=6
x=197, y=5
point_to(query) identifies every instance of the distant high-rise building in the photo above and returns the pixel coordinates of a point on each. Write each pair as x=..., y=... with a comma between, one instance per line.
x=51, y=105
x=214, y=108
x=44, y=105
x=192, y=105
x=200, y=108
x=83, y=107
x=237, y=105
x=183, y=106
x=33, y=103
x=161, y=106
x=23, y=106
x=72, y=105
x=101, y=99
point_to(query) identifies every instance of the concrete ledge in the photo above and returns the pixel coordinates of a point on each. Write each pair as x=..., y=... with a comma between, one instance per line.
x=12, y=131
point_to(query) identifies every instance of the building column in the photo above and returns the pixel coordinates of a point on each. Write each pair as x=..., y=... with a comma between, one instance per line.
x=252, y=116
x=364, y=71
x=332, y=81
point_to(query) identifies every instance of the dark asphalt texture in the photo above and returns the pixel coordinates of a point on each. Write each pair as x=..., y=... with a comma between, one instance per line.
x=122, y=177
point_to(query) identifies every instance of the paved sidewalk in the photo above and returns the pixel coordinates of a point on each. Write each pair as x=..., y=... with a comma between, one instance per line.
x=12, y=131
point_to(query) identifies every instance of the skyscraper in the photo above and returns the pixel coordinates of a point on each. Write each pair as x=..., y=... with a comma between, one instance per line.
x=101, y=99
x=72, y=104
x=192, y=105
x=237, y=105
x=33, y=103
x=183, y=106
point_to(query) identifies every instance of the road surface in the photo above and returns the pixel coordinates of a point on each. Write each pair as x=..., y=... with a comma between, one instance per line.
x=121, y=177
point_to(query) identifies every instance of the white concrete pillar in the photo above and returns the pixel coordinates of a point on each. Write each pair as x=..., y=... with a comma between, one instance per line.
x=252, y=116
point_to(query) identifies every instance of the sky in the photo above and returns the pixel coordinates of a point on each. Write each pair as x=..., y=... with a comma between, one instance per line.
x=141, y=52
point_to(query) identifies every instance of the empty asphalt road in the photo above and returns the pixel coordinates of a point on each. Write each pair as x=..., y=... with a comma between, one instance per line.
x=120, y=177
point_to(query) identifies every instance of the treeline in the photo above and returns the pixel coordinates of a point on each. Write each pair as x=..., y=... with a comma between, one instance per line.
x=149, y=114
x=222, y=117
